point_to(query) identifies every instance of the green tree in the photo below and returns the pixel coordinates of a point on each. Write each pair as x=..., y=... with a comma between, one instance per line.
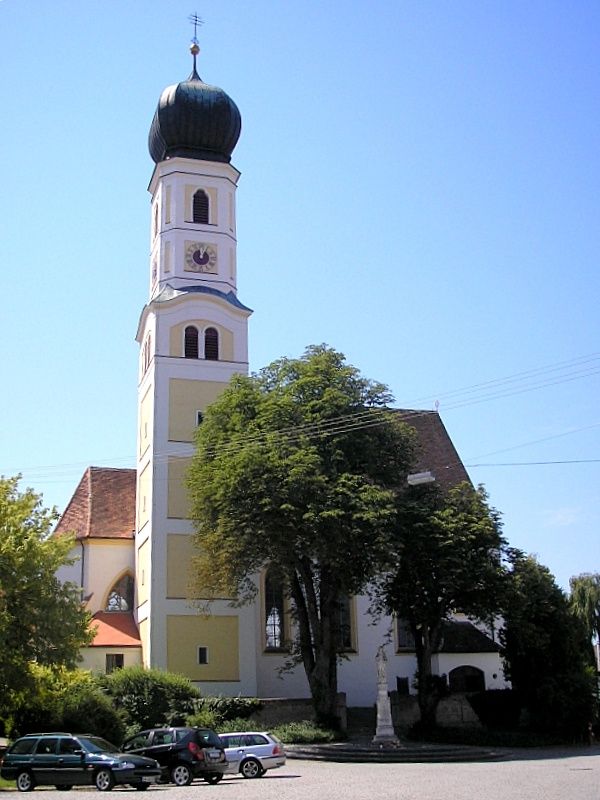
x=547, y=651
x=448, y=558
x=585, y=602
x=41, y=619
x=295, y=467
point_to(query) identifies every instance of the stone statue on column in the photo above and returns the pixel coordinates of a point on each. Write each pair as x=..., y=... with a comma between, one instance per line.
x=384, y=731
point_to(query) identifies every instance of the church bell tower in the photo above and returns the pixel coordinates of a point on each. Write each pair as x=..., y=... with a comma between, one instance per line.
x=193, y=337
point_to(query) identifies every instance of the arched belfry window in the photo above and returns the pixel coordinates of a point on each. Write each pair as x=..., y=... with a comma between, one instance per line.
x=120, y=597
x=211, y=344
x=274, y=611
x=200, y=209
x=190, y=345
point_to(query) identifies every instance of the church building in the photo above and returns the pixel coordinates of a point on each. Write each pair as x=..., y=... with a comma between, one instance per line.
x=133, y=535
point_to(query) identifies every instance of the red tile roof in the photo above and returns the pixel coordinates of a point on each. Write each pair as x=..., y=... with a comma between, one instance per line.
x=115, y=629
x=435, y=451
x=103, y=505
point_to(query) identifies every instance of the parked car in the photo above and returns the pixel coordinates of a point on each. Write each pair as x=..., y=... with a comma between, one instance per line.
x=183, y=753
x=65, y=760
x=256, y=752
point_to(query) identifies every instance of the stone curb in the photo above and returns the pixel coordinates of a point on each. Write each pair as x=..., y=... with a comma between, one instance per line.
x=405, y=753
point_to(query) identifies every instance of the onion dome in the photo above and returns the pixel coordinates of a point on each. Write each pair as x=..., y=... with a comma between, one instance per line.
x=194, y=120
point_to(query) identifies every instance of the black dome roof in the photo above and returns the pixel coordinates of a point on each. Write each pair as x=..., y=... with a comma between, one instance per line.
x=194, y=120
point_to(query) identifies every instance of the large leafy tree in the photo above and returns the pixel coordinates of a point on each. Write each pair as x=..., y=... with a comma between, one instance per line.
x=547, y=652
x=295, y=467
x=41, y=619
x=447, y=558
x=585, y=602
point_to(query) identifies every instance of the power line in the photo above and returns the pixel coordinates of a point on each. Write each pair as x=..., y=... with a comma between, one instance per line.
x=364, y=418
x=537, y=463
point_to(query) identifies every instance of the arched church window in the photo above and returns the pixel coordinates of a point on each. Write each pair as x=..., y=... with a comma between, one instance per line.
x=211, y=344
x=345, y=622
x=120, y=597
x=274, y=611
x=200, y=209
x=191, y=342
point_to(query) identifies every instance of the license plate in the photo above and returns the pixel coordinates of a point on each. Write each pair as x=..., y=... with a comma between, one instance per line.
x=214, y=755
x=148, y=779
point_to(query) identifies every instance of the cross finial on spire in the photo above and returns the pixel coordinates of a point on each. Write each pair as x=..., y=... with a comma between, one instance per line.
x=195, y=20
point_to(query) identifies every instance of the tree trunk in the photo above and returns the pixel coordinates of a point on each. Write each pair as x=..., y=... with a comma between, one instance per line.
x=429, y=691
x=318, y=635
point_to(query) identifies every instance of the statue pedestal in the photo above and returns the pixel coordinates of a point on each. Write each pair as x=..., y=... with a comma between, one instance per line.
x=384, y=730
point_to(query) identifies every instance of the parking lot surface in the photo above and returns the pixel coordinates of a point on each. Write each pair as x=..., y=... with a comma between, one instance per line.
x=562, y=775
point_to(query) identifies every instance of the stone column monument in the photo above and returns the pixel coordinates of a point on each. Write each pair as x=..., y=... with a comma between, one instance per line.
x=384, y=731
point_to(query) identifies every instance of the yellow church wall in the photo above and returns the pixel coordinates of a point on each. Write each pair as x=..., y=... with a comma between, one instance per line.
x=143, y=573
x=143, y=496
x=186, y=397
x=178, y=502
x=219, y=634
x=144, y=630
x=145, y=421
x=94, y=658
x=225, y=338
x=180, y=550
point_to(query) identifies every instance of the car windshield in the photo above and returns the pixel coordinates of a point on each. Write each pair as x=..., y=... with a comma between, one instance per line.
x=94, y=744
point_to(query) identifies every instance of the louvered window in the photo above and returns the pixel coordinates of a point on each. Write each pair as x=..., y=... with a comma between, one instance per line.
x=191, y=342
x=200, y=210
x=211, y=344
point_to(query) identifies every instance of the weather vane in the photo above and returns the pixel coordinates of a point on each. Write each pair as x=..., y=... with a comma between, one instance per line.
x=195, y=20
x=195, y=47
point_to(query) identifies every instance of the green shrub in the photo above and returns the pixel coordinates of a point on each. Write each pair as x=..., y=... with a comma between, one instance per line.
x=203, y=719
x=64, y=699
x=497, y=708
x=235, y=724
x=304, y=732
x=88, y=710
x=227, y=708
x=149, y=697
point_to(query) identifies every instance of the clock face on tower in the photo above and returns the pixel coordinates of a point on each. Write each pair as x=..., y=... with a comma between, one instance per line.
x=200, y=257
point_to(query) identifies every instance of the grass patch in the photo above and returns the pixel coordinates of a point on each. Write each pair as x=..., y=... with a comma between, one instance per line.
x=4, y=784
x=305, y=732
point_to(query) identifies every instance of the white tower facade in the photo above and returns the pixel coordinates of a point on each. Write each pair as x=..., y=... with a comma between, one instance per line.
x=193, y=337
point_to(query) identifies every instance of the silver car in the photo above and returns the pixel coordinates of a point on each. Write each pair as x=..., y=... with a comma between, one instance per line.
x=253, y=752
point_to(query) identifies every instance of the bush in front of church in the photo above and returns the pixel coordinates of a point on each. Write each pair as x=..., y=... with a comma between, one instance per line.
x=62, y=699
x=146, y=698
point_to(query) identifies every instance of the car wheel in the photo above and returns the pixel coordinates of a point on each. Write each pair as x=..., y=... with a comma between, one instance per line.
x=213, y=777
x=64, y=787
x=181, y=775
x=251, y=768
x=25, y=782
x=104, y=780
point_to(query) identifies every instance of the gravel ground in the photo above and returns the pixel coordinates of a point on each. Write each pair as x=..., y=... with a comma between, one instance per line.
x=555, y=775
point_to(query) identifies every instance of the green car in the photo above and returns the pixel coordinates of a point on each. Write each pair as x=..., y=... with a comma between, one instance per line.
x=65, y=760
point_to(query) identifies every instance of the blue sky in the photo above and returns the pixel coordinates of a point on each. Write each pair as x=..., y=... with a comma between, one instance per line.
x=420, y=189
